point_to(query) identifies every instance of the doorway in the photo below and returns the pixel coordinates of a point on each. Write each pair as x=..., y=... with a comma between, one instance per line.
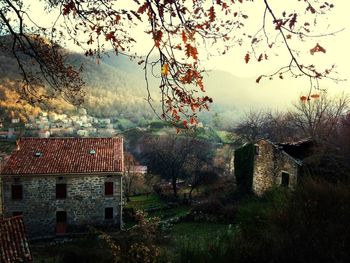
x=61, y=222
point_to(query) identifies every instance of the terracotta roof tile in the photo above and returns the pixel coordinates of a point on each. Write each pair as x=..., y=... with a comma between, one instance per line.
x=14, y=246
x=65, y=155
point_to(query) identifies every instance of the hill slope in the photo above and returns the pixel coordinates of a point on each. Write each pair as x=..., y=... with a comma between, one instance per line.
x=115, y=86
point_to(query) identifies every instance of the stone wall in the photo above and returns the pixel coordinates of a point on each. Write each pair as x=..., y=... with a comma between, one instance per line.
x=1, y=206
x=269, y=163
x=85, y=202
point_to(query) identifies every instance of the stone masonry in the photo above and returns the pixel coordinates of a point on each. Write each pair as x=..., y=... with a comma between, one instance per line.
x=270, y=163
x=64, y=185
x=84, y=204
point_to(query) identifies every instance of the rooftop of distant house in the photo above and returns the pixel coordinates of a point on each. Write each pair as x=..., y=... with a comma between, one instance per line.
x=137, y=169
x=14, y=246
x=34, y=156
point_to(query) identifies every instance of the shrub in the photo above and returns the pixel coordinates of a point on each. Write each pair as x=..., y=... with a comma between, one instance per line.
x=207, y=249
x=211, y=207
x=308, y=225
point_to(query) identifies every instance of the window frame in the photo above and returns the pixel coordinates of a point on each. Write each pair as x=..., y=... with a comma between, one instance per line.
x=256, y=149
x=14, y=192
x=64, y=196
x=109, y=188
x=285, y=183
x=109, y=213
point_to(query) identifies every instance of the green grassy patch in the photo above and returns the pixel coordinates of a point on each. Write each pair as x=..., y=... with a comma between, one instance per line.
x=173, y=212
x=199, y=231
x=199, y=242
x=124, y=124
x=144, y=202
x=225, y=136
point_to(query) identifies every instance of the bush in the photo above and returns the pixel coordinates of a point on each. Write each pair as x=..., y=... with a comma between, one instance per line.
x=82, y=255
x=129, y=214
x=212, y=211
x=308, y=225
x=206, y=249
x=211, y=207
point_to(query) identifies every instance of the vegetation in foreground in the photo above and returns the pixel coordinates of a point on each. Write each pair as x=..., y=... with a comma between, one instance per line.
x=307, y=225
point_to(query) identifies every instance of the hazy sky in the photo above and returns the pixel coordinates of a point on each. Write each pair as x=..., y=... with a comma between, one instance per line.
x=233, y=62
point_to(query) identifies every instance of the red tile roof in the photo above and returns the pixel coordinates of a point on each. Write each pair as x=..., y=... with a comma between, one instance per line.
x=14, y=246
x=65, y=155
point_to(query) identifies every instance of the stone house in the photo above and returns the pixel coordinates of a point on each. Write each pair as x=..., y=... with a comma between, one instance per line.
x=262, y=165
x=63, y=185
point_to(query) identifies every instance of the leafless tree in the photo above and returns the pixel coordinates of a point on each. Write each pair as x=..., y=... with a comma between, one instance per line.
x=167, y=155
x=130, y=176
x=250, y=128
x=319, y=117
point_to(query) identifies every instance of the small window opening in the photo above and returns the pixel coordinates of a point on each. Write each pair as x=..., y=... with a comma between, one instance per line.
x=257, y=150
x=38, y=154
x=109, y=187
x=17, y=192
x=61, y=191
x=285, y=179
x=109, y=213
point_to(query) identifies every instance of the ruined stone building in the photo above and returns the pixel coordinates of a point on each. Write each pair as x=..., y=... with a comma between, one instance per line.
x=63, y=185
x=263, y=165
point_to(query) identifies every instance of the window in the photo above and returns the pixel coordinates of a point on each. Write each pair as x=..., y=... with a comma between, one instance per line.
x=285, y=179
x=16, y=192
x=61, y=216
x=17, y=213
x=257, y=150
x=109, y=188
x=61, y=191
x=109, y=213
x=38, y=154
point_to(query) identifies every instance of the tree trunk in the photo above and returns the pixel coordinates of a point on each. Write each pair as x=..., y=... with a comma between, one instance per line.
x=190, y=193
x=174, y=187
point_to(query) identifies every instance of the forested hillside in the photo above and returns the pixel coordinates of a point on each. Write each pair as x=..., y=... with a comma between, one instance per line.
x=116, y=87
x=110, y=92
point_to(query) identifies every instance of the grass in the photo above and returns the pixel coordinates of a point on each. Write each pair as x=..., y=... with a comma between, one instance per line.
x=198, y=231
x=169, y=213
x=225, y=136
x=144, y=202
x=198, y=242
